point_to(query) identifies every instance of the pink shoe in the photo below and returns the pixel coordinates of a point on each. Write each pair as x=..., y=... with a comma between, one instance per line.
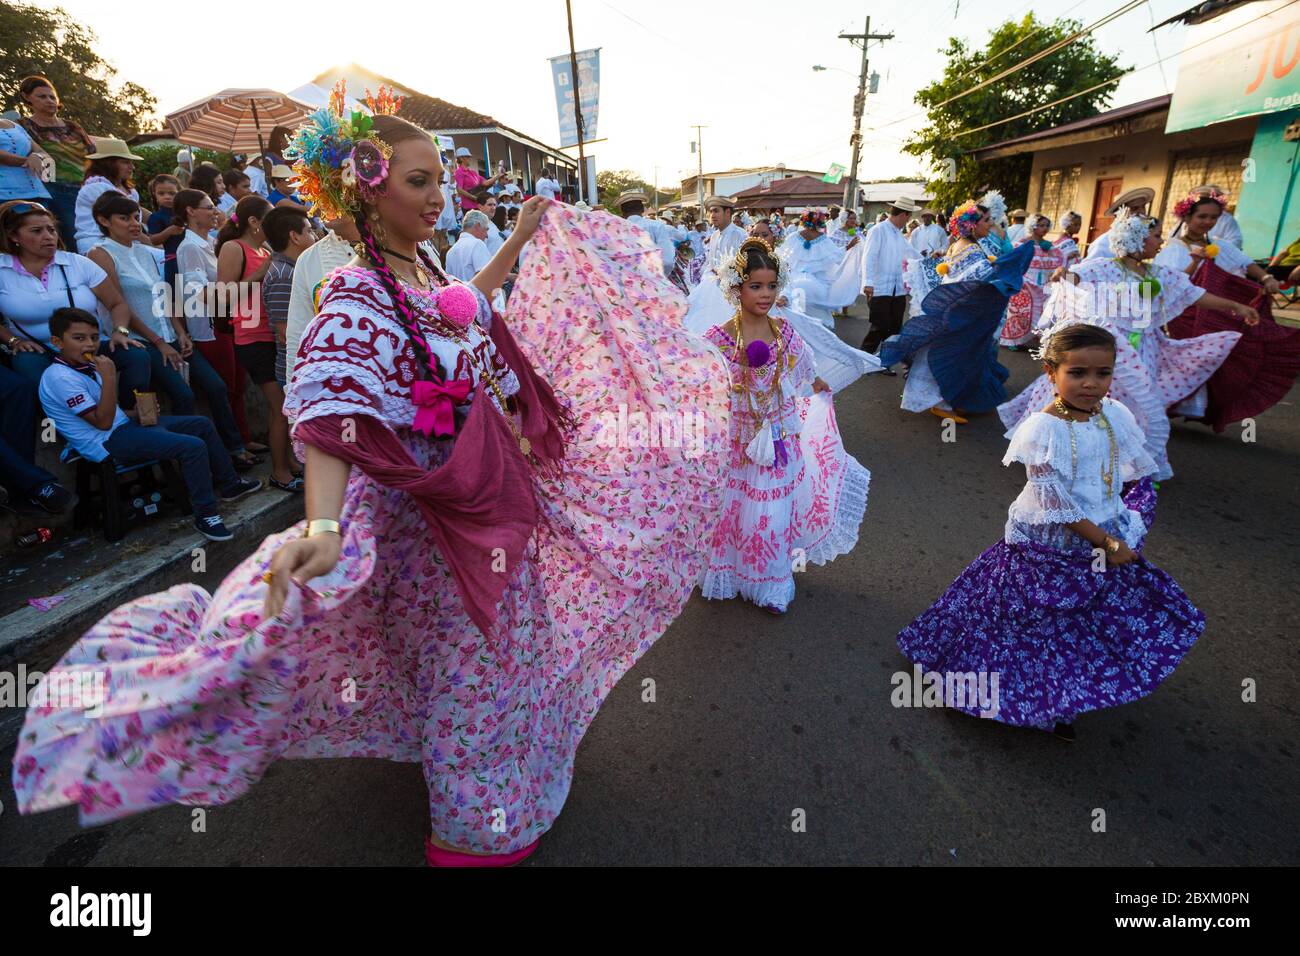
x=437, y=856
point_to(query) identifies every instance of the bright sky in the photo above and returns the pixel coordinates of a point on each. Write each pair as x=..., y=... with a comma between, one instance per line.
x=755, y=91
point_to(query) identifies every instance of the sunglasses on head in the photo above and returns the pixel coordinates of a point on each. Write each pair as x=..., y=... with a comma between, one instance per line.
x=23, y=208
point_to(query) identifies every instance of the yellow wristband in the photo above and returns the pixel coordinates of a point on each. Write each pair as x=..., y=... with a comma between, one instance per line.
x=322, y=526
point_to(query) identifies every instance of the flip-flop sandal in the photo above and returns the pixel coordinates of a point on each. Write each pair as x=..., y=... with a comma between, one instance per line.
x=292, y=485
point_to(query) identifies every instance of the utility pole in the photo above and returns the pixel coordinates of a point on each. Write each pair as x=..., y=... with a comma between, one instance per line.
x=699, y=176
x=859, y=101
x=577, y=102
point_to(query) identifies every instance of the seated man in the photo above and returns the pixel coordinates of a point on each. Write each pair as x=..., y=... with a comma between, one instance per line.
x=79, y=393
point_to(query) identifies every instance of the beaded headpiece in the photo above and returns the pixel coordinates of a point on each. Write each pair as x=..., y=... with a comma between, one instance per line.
x=964, y=219
x=733, y=273
x=1183, y=208
x=339, y=160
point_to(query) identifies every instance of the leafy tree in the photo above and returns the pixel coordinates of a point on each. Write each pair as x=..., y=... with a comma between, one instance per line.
x=162, y=159
x=1073, y=68
x=612, y=182
x=52, y=43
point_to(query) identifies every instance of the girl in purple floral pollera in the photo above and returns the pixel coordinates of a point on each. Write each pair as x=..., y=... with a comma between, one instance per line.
x=1064, y=615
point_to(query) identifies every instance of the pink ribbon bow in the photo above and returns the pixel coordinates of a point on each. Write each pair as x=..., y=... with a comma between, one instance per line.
x=434, y=402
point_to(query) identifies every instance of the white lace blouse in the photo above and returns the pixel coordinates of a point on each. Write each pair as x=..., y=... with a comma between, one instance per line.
x=1065, y=463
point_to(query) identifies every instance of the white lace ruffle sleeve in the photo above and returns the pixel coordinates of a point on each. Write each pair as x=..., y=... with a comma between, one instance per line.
x=1065, y=466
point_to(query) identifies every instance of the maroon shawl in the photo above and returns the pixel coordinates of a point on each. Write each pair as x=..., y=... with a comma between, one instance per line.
x=480, y=505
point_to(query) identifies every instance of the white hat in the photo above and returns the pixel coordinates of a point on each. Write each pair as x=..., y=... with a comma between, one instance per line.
x=461, y=151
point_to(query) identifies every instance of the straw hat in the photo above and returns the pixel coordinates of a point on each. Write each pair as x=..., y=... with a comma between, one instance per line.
x=1141, y=196
x=106, y=147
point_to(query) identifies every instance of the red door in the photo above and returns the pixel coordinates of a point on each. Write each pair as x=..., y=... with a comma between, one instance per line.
x=1108, y=191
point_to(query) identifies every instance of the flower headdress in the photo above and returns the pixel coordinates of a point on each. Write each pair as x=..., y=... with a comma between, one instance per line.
x=733, y=273
x=996, y=205
x=1183, y=208
x=338, y=158
x=812, y=219
x=1129, y=231
x=964, y=219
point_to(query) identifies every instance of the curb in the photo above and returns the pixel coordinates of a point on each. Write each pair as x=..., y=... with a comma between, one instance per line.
x=39, y=638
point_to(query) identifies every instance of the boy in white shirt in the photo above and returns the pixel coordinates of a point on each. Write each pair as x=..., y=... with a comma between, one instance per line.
x=79, y=394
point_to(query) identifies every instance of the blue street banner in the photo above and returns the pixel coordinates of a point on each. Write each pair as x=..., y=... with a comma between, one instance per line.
x=588, y=94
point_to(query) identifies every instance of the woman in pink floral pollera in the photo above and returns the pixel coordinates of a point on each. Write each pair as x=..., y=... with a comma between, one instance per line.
x=482, y=561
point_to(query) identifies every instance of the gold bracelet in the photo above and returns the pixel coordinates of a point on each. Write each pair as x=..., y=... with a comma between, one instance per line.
x=322, y=526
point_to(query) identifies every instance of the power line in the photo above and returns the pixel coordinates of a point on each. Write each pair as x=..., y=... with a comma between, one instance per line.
x=1028, y=61
x=1091, y=89
x=1030, y=36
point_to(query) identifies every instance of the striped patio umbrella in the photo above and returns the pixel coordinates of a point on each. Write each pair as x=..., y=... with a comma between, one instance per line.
x=236, y=121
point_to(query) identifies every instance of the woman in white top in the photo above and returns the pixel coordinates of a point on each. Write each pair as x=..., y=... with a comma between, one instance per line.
x=37, y=277
x=1262, y=367
x=131, y=265
x=1134, y=300
x=108, y=168
x=196, y=273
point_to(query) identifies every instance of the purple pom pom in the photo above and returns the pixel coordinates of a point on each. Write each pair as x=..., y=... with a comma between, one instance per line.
x=758, y=353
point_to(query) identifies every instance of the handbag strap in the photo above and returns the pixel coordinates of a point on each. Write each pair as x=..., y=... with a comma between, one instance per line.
x=67, y=287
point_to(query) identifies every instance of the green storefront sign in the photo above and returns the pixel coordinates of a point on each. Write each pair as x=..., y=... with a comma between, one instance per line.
x=1243, y=63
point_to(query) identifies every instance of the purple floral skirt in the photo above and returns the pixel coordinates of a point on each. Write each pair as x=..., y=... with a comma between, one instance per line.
x=1062, y=638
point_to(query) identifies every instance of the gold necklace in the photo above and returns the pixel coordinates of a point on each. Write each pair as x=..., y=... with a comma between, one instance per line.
x=1107, y=474
x=751, y=410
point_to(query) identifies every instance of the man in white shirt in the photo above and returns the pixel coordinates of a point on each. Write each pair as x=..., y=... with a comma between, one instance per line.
x=726, y=237
x=697, y=237
x=470, y=253
x=1016, y=231
x=929, y=239
x=320, y=259
x=1136, y=199
x=547, y=187
x=631, y=206
x=883, y=261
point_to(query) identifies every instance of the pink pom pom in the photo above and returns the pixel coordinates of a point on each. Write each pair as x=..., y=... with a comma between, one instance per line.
x=458, y=305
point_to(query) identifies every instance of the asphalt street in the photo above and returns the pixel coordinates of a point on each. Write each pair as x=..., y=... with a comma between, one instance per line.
x=758, y=718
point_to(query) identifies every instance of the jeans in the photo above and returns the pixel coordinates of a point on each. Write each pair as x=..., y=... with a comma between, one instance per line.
x=18, y=405
x=132, y=370
x=220, y=353
x=205, y=378
x=190, y=440
x=63, y=203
